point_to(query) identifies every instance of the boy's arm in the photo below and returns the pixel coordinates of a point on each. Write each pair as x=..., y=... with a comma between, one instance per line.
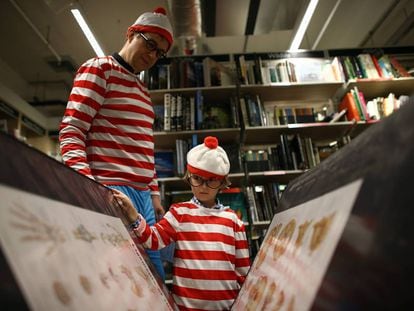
x=242, y=255
x=154, y=237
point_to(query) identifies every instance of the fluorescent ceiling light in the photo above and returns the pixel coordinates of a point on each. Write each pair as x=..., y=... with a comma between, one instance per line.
x=87, y=32
x=303, y=25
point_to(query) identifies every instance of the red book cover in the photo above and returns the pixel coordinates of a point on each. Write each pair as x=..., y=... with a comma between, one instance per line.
x=398, y=67
x=377, y=66
x=349, y=103
x=363, y=105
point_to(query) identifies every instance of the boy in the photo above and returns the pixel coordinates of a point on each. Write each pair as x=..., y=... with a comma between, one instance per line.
x=211, y=257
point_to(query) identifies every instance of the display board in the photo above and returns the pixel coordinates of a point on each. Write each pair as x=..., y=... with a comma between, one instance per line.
x=63, y=243
x=69, y=258
x=344, y=238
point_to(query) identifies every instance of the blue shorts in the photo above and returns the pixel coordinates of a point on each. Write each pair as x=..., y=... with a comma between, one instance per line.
x=143, y=204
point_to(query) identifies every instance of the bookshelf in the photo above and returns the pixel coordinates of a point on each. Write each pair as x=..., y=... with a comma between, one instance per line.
x=375, y=88
x=293, y=91
x=323, y=94
x=166, y=140
x=176, y=183
x=318, y=131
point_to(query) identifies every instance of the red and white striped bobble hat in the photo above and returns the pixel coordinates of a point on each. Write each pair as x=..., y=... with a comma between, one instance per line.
x=208, y=160
x=154, y=22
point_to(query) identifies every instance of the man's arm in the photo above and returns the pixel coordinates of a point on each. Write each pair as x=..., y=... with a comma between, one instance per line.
x=85, y=99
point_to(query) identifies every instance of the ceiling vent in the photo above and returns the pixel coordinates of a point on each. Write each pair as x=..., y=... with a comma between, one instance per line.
x=65, y=65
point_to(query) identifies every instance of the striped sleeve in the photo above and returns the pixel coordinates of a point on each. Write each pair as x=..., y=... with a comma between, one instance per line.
x=242, y=262
x=85, y=99
x=160, y=235
x=153, y=185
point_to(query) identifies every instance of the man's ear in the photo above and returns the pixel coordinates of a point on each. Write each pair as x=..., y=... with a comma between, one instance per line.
x=130, y=35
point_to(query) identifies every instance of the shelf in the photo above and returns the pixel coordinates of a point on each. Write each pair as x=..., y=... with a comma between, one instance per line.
x=259, y=225
x=178, y=184
x=380, y=87
x=213, y=93
x=259, y=135
x=293, y=91
x=166, y=140
x=284, y=177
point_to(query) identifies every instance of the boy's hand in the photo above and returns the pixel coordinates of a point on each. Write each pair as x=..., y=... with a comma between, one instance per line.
x=125, y=204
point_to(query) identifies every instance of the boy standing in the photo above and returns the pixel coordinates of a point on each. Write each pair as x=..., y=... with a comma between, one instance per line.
x=211, y=257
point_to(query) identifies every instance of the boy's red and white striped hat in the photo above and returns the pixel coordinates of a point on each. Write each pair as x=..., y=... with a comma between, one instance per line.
x=208, y=160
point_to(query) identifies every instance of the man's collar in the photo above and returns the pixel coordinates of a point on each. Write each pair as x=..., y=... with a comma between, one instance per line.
x=123, y=62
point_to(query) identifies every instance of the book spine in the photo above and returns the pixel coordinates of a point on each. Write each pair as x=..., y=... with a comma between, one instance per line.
x=167, y=112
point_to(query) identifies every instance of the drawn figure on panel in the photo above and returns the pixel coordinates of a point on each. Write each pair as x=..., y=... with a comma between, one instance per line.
x=82, y=233
x=267, y=244
x=135, y=287
x=320, y=231
x=35, y=229
x=284, y=239
x=61, y=293
x=86, y=284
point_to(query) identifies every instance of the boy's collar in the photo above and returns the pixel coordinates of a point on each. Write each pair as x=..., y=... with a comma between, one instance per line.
x=218, y=205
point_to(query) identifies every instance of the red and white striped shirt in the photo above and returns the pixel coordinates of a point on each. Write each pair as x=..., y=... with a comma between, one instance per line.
x=106, y=132
x=211, y=257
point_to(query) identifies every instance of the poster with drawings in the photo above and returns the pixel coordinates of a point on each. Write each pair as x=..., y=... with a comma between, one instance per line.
x=68, y=258
x=295, y=253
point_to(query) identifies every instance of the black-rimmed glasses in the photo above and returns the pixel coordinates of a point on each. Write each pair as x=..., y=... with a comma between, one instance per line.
x=153, y=46
x=197, y=181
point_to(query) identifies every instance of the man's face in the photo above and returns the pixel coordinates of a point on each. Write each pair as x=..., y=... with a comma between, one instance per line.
x=145, y=49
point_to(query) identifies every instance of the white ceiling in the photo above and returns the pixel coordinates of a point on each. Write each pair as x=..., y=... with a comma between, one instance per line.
x=23, y=55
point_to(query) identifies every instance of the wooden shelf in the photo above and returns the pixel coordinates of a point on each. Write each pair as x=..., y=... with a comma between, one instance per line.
x=210, y=94
x=166, y=140
x=284, y=177
x=380, y=87
x=259, y=135
x=293, y=91
x=178, y=184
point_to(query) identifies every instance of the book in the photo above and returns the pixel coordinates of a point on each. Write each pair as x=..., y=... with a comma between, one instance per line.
x=234, y=198
x=348, y=103
x=167, y=112
x=158, y=118
x=164, y=163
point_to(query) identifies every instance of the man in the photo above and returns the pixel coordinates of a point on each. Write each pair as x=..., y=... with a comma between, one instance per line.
x=106, y=132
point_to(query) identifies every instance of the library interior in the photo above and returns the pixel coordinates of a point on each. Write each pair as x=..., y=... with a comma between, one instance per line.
x=312, y=101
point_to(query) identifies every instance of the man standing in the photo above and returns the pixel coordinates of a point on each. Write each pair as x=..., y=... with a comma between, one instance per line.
x=106, y=132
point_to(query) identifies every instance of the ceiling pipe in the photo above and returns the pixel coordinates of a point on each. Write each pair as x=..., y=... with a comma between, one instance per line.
x=36, y=30
x=380, y=21
x=186, y=17
x=326, y=24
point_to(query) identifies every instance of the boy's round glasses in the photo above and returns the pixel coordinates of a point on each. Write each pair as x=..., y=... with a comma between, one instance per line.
x=197, y=181
x=152, y=46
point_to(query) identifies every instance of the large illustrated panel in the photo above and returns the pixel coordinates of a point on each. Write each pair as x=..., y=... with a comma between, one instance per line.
x=69, y=258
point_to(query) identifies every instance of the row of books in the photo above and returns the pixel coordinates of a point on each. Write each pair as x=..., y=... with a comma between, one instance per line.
x=171, y=163
x=255, y=113
x=188, y=113
x=287, y=70
x=206, y=71
x=358, y=109
x=293, y=152
x=370, y=66
x=189, y=72
x=263, y=200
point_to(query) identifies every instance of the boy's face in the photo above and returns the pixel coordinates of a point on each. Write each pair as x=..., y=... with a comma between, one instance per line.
x=203, y=189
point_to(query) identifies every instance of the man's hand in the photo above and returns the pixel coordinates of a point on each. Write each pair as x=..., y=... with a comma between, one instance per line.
x=158, y=209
